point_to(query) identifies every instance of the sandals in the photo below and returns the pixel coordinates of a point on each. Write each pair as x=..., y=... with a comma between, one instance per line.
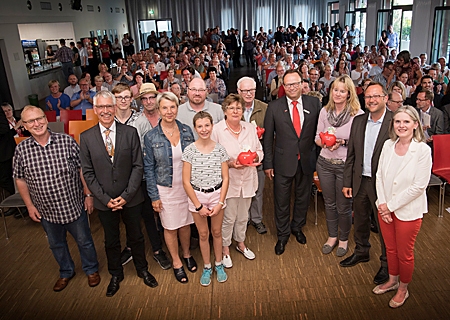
x=191, y=264
x=180, y=275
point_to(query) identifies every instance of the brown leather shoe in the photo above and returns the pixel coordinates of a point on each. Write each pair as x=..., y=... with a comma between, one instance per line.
x=62, y=283
x=93, y=279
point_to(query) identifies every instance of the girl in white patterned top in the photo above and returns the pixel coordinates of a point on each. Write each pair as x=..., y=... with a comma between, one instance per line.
x=205, y=179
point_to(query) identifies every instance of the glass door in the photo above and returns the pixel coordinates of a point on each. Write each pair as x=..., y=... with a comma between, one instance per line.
x=402, y=25
x=441, y=34
x=383, y=21
x=360, y=22
x=349, y=18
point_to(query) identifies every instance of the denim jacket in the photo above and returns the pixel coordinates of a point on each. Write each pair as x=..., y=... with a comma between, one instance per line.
x=158, y=169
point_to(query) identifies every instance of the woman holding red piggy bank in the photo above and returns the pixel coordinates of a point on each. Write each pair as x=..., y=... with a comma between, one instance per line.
x=241, y=142
x=333, y=131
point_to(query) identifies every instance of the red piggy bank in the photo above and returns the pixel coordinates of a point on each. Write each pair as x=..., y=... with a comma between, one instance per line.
x=327, y=139
x=260, y=132
x=246, y=157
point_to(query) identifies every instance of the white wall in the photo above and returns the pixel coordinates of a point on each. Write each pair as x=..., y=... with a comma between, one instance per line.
x=15, y=12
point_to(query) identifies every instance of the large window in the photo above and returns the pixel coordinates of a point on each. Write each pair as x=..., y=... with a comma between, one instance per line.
x=333, y=12
x=441, y=34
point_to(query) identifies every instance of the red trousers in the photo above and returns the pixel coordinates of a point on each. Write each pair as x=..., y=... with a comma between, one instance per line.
x=399, y=238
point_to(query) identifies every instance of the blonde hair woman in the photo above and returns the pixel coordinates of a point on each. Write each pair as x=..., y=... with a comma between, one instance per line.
x=337, y=116
x=404, y=170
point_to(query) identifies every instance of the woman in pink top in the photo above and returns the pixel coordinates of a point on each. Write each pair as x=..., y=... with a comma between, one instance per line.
x=336, y=116
x=237, y=136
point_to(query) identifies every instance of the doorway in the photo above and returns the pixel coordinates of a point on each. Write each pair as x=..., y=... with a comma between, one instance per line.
x=5, y=92
x=156, y=25
x=441, y=34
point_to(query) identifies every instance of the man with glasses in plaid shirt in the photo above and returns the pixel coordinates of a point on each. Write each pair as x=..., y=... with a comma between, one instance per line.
x=47, y=170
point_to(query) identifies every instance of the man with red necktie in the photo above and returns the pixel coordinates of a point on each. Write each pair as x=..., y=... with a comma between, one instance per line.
x=291, y=157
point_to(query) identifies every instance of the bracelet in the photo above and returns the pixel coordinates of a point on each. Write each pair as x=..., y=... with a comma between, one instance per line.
x=89, y=195
x=199, y=208
x=221, y=203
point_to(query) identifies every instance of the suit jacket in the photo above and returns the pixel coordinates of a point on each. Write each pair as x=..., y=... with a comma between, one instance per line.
x=7, y=142
x=436, y=122
x=446, y=114
x=406, y=196
x=355, y=151
x=107, y=180
x=282, y=155
x=258, y=113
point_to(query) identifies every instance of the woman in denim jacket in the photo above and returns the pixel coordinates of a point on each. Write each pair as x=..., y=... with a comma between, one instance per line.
x=163, y=147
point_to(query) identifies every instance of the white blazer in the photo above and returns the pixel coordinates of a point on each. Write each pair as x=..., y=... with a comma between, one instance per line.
x=407, y=197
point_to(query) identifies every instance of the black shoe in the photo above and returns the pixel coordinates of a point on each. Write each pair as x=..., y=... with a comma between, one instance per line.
x=373, y=228
x=113, y=285
x=280, y=246
x=126, y=256
x=260, y=227
x=10, y=212
x=382, y=276
x=353, y=260
x=300, y=236
x=149, y=279
x=162, y=260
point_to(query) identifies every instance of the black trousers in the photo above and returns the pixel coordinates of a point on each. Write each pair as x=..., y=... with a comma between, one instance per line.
x=237, y=57
x=249, y=57
x=282, y=200
x=363, y=206
x=148, y=215
x=131, y=217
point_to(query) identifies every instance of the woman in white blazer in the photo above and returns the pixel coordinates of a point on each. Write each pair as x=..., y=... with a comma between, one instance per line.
x=403, y=174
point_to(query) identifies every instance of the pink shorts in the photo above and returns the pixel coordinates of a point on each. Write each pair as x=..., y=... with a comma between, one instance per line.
x=209, y=200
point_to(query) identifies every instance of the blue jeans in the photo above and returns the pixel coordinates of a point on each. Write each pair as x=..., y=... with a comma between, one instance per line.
x=79, y=229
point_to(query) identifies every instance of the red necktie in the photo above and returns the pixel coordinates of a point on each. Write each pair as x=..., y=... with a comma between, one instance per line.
x=296, y=121
x=296, y=118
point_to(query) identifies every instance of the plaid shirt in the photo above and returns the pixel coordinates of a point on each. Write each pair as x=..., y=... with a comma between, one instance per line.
x=64, y=54
x=52, y=174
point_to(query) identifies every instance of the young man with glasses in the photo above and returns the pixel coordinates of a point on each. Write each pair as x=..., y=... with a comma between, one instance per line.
x=291, y=157
x=368, y=133
x=112, y=163
x=58, y=198
x=127, y=116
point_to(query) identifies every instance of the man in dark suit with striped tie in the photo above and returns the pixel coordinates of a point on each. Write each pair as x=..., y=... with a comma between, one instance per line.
x=112, y=163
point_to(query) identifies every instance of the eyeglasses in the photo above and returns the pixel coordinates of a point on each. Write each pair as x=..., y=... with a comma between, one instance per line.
x=197, y=90
x=292, y=85
x=40, y=120
x=148, y=98
x=398, y=102
x=421, y=100
x=107, y=107
x=234, y=109
x=248, y=91
x=376, y=96
x=126, y=98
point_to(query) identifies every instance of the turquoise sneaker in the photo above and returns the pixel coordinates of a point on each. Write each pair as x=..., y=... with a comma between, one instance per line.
x=221, y=274
x=205, y=280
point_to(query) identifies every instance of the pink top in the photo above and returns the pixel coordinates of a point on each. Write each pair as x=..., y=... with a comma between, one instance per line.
x=342, y=132
x=241, y=180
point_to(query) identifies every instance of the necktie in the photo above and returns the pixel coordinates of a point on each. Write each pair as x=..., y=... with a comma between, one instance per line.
x=296, y=121
x=108, y=143
x=296, y=118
